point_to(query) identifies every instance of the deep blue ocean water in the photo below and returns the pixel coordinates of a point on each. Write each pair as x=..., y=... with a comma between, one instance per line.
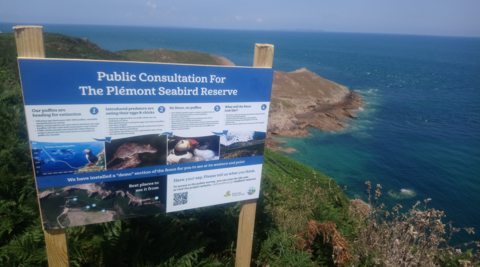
x=420, y=129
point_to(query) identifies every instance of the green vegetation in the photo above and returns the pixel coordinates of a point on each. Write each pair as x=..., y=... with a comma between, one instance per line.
x=303, y=217
x=21, y=236
x=168, y=56
x=63, y=46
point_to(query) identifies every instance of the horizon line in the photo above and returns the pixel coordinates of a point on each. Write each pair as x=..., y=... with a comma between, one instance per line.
x=244, y=29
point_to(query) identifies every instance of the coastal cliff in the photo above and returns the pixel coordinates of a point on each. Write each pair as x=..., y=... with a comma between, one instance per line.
x=302, y=99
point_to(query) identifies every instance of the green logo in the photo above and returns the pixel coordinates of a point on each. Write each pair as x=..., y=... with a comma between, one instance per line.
x=227, y=194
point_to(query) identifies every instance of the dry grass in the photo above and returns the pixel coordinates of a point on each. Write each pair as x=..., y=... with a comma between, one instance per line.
x=328, y=231
x=416, y=238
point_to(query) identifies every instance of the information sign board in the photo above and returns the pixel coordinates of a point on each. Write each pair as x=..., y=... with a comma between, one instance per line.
x=113, y=140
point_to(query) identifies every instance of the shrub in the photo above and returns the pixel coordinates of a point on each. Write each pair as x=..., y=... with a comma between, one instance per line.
x=415, y=238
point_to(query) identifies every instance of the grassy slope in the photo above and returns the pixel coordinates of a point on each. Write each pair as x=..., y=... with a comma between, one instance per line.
x=291, y=195
x=294, y=194
x=63, y=46
x=168, y=56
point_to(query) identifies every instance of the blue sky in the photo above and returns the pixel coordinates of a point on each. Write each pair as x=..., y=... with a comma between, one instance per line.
x=431, y=17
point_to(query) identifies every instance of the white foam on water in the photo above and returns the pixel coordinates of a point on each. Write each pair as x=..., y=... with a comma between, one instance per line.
x=235, y=137
x=406, y=192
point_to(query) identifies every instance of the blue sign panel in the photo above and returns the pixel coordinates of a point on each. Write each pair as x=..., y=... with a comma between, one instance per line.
x=56, y=82
x=109, y=136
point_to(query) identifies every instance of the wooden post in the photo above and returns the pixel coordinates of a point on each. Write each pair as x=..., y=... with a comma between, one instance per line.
x=263, y=58
x=29, y=41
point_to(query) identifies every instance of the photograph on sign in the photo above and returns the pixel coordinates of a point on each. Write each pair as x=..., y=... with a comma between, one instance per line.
x=82, y=204
x=136, y=152
x=240, y=144
x=192, y=149
x=61, y=158
x=115, y=140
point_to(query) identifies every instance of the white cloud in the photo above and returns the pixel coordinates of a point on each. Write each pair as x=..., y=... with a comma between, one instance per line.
x=152, y=5
x=237, y=17
x=259, y=20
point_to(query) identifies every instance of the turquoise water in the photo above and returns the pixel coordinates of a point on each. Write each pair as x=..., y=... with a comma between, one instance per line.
x=419, y=130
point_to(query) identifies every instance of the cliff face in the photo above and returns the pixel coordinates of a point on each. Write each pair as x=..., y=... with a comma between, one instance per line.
x=302, y=99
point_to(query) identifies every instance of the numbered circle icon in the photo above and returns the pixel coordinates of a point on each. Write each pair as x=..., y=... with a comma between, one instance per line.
x=74, y=199
x=94, y=205
x=264, y=107
x=87, y=207
x=94, y=111
x=217, y=108
x=161, y=109
x=103, y=210
x=156, y=198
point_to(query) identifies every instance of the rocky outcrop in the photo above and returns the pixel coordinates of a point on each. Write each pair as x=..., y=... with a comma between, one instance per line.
x=90, y=188
x=46, y=193
x=302, y=99
x=135, y=201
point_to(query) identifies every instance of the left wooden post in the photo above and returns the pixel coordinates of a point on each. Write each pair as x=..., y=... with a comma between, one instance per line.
x=29, y=41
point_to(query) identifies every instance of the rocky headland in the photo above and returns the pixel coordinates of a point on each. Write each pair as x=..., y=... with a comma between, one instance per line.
x=90, y=188
x=302, y=99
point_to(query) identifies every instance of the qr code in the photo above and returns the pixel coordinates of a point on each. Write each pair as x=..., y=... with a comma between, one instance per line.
x=180, y=198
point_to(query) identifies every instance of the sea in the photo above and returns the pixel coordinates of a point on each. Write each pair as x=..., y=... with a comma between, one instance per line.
x=418, y=135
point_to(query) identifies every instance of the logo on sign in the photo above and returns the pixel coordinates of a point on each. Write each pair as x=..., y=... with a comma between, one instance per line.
x=251, y=190
x=227, y=194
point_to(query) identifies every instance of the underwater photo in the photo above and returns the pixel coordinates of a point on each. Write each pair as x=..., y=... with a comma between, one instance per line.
x=67, y=158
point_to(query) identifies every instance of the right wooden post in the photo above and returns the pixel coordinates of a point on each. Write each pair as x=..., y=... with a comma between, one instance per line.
x=263, y=58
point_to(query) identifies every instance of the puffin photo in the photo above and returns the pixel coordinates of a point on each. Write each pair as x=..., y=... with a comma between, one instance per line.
x=92, y=159
x=204, y=149
x=185, y=144
x=181, y=151
x=194, y=149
